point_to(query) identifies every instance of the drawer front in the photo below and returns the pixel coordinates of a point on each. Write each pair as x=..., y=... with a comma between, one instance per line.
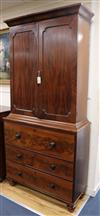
x=46, y=164
x=50, y=185
x=56, y=144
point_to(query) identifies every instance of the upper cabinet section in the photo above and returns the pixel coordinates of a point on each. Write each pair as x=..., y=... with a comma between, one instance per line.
x=47, y=80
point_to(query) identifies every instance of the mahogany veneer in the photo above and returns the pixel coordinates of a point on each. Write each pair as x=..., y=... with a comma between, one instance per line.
x=4, y=111
x=47, y=132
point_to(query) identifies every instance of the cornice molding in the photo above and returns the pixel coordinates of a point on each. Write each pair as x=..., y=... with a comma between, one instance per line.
x=32, y=121
x=52, y=13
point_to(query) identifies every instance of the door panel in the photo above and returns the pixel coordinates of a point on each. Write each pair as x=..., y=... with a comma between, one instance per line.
x=56, y=62
x=24, y=52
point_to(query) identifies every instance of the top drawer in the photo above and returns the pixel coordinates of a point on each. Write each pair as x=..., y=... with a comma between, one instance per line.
x=49, y=142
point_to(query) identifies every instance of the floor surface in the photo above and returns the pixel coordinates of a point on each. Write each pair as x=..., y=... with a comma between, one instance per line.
x=39, y=202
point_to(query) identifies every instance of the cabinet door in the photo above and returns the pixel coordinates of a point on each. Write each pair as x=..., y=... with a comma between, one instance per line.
x=24, y=68
x=57, y=63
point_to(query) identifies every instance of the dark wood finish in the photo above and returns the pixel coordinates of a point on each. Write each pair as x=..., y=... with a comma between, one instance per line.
x=53, y=13
x=51, y=60
x=81, y=162
x=47, y=132
x=56, y=58
x=24, y=68
x=4, y=111
x=59, y=145
x=43, y=182
x=40, y=162
x=47, y=124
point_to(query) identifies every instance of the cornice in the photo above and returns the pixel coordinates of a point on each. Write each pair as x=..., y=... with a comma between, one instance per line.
x=52, y=13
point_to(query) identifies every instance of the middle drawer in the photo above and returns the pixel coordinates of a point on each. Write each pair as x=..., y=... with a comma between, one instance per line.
x=40, y=162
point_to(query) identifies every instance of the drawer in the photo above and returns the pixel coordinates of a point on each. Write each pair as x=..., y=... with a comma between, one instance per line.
x=40, y=162
x=49, y=142
x=48, y=184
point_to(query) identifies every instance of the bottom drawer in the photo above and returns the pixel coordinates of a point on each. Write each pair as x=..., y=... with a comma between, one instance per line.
x=45, y=183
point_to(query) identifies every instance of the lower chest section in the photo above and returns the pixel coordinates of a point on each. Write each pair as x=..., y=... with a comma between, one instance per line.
x=41, y=159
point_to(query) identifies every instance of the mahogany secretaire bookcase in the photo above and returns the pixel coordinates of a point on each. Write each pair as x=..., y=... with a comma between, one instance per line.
x=47, y=132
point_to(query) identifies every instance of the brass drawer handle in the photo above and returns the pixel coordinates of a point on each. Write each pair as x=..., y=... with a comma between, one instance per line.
x=53, y=166
x=18, y=135
x=52, y=145
x=18, y=156
x=19, y=174
x=52, y=186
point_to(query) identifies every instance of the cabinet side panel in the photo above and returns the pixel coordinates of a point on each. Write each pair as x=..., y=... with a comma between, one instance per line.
x=82, y=68
x=81, y=161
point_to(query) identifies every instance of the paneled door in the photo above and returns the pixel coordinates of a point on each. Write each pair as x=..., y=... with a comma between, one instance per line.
x=24, y=58
x=57, y=63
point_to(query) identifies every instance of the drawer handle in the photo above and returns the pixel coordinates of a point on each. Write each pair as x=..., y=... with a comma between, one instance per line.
x=18, y=135
x=18, y=156
x=52, y=145
x=53, y=166
x=19, y=174
x=52, y=186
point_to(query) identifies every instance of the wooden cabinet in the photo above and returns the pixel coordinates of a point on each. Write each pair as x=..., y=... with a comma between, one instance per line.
x=47, y=131
x=4, y=111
